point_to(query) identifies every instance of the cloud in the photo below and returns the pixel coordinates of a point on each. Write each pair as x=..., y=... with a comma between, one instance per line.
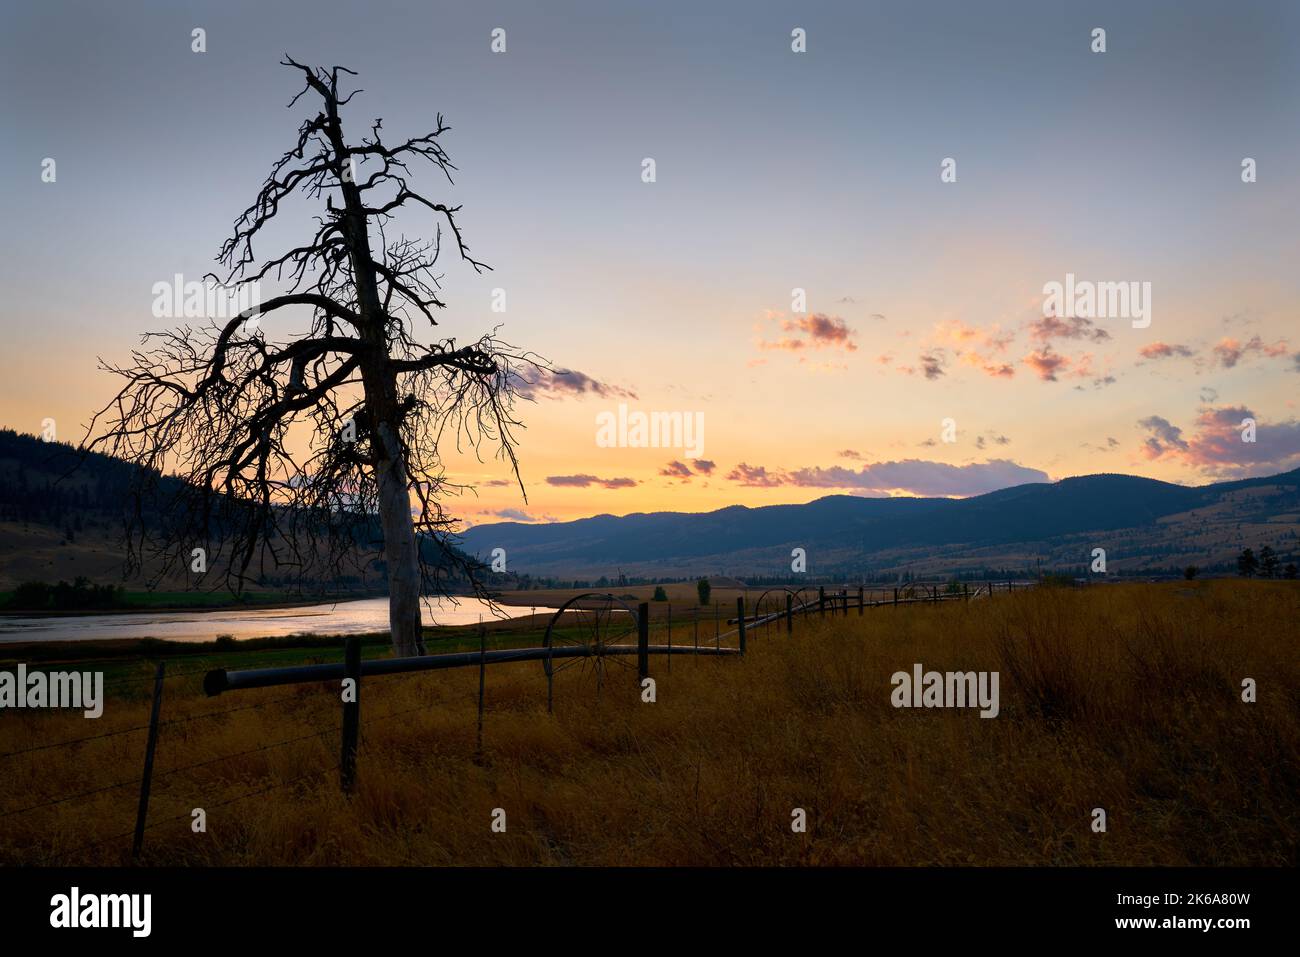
x=1049, y=328
x=1229, y=351
x=754, y=476
x=705, y=466
x=583, y=481
x=1111, y=444
x=933, y=362
x=1046, y=363
x=1165, y=350
x=849, y=454
x=913, y=476
x=996, y=370
x=960, y=335
x=676, y=469
x=566, y=384
x=518, y=515
x=1164, y=437
x=1098, y=383
x=1218, y=448
x=816, y=331
x=974, y=346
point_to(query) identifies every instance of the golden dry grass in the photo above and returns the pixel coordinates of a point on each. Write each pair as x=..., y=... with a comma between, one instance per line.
x=1122, y=697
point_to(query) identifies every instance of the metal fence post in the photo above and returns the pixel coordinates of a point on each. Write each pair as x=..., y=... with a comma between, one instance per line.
x=789, y=613
x=740, y=620
x=482, y=678
x=643, y=641
x=351, y=716
x=670, y=638
x=146, y=780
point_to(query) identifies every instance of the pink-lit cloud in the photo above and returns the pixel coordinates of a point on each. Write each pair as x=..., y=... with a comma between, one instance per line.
x=1229, y=351
x=815, y=331
x=910, y=476
x=1165, y=350
x=1218, y=445
x=584, y=481
x=1046, y=363
x=568, y=383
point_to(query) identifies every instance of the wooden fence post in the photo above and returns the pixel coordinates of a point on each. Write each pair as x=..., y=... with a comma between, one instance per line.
x=740, y=620
x=789, y=613
x=821, y=601
x=861, y=601
x=146, y=780
x=670, y=637
x=643, y=641
x=895, y=597
x=351, y=716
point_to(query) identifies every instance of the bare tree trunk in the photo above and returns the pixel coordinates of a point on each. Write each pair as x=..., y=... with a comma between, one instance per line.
x=399, y=549
x=394, y=494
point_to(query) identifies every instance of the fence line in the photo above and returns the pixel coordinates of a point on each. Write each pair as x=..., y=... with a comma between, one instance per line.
x=747, y=623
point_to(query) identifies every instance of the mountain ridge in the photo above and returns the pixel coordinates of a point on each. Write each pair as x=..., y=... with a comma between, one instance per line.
x=881, y=534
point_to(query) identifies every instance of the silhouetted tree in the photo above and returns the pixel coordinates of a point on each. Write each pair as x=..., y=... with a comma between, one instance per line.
x=1289, y=571
x=1268, y=562
x=1190, y=572
x=1247, y=563
x=704, y=589
x=225, y=409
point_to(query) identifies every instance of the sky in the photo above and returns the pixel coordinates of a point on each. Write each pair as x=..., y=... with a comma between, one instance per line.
x=923, y=358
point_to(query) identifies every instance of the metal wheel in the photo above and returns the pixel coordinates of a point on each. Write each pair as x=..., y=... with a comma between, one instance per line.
x=772, y=602
x=581, y=631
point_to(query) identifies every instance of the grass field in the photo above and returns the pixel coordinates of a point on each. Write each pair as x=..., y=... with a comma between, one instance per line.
x=1124, y=697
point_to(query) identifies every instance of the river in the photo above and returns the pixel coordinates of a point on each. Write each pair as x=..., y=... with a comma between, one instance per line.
x=341, y=618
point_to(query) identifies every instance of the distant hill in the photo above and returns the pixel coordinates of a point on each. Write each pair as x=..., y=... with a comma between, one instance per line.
x=61, y=516
x=1143, y=524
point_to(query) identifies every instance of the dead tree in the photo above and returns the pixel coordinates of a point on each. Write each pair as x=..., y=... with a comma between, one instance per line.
x=277, y=456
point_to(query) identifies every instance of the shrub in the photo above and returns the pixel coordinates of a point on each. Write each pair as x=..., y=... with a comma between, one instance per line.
x=705, y=590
